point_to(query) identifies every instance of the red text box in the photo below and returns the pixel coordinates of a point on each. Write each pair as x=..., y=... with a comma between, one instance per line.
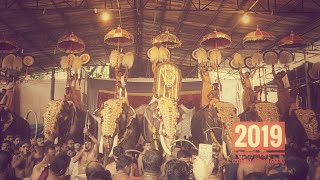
x=249, y=136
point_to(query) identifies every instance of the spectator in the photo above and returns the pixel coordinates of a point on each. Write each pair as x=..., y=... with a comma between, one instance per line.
x=316, y=174
x=5, y=166
x=256, y=176
x=49, y=155
x=6, y=146
x=93, y=167
x=123, y=168
x=117, y=152
x=70, y=144
x=296, y=168
x=176, y=170
x=100, y=175
x=57, y=169
x=146, y=147
x=151, y=161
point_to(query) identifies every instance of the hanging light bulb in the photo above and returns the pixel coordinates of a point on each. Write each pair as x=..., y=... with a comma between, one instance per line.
x=105, y=16
x=245, y=19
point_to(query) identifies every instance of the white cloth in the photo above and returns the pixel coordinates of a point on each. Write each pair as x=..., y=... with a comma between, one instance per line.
x=184, y=126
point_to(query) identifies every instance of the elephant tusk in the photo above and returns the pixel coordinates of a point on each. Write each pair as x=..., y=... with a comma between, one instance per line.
x=224, y=149
x=101, y=145
x=164, y=146
x=178, y=140
x=114, y=144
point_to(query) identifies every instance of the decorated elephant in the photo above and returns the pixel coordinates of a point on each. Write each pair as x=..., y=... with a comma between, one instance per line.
x=159, y=124
x=119, y=125
x=11, y=123
x=302, y=125
x=213, y=125
x=64, y=120
x=262, y=112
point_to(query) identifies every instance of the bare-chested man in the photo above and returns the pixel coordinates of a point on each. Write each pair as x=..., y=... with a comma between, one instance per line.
x=21, y=161
x=88, y=154
x=49, y=154
x=256, y=165
x=248, y=94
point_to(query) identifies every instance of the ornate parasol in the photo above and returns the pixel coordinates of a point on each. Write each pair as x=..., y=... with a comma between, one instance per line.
x=8, y=46
x=118, y=37
x=71, y=44
x=216, y=40
x=167, y=39
x=258, y=36
x=292, y=42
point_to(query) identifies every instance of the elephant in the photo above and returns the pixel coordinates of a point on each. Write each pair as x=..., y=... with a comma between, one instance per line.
x=11, y=123
x=302, y=125
x=119, y=125
x=212, y=125
x=262, y=112
x=159, y=123
x=64, y=120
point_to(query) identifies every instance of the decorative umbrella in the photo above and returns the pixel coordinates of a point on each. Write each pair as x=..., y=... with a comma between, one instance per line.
x=292, y=42
x=118, y=37
x=216, y=40
x=8, y=46
x=71, y=44
x=167, y=40
x=258, y=36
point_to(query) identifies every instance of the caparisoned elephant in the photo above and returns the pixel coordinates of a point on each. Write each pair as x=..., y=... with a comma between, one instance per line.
x=11, y=123
x=63, y=120
x=302, y=125
x=119, y=125
x=160, y=123
x=213, y=125
x=262, y=112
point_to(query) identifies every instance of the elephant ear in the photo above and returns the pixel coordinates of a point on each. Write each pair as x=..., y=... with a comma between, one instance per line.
x=131, y=114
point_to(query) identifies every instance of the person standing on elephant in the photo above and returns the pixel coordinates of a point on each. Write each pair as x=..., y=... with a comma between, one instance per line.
x=146, y=147
x=214, y=95
x=206, y=86
x=283, y=93
x=88, y=154
x=248, y=95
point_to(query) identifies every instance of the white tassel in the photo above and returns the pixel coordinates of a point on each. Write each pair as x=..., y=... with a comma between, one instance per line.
x=257, y=58
x=153, y=54
x=64, y=62
x=17, y=63
x=101, y=145
x=200, y=55
x=77, y=63
x=215, y=56
x=164, y=54
x=128, y=60
x=8, y=61
x=115, y=58
x=238, y=60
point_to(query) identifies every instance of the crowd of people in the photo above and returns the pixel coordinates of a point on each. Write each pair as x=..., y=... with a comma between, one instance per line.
x=36, y=159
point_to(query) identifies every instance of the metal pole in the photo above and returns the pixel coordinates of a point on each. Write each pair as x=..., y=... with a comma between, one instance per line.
x=52, y=84
x=307, y=81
